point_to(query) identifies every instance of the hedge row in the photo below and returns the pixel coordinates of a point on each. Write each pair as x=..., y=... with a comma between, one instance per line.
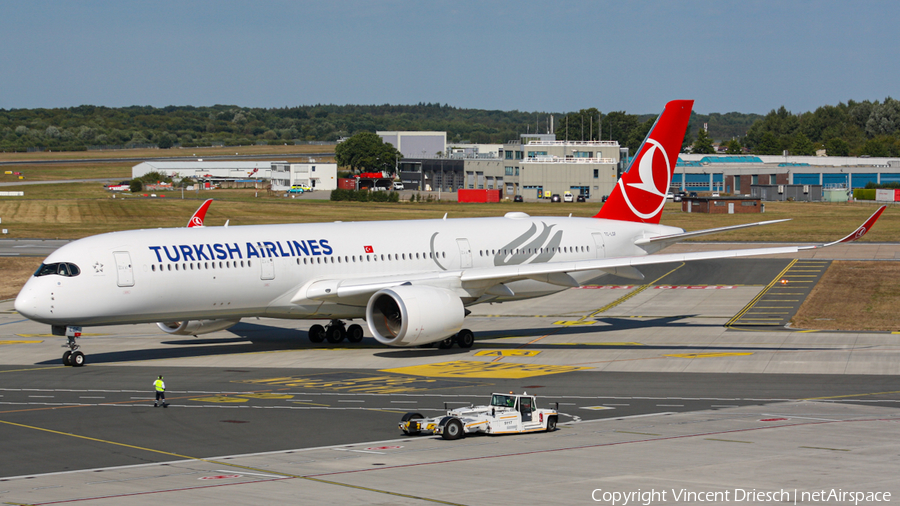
x=365, y=196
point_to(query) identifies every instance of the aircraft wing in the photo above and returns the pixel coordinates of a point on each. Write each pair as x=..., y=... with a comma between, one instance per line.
x=556, y=273
x=673, y=238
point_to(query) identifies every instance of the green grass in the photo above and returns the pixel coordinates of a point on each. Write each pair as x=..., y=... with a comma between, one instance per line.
x=77, y=210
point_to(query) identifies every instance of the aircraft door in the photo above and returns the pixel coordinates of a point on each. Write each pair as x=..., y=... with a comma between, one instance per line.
x=599, y=245
x=124, y=270
x=267, y=268
x=465, y=254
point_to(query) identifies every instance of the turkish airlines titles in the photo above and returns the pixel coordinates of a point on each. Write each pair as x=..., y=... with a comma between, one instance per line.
x=226, y=251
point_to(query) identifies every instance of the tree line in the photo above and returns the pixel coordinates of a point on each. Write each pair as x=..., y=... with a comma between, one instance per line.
x=854, y=128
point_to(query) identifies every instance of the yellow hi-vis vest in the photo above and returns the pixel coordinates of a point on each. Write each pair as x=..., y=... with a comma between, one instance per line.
x=160, y=386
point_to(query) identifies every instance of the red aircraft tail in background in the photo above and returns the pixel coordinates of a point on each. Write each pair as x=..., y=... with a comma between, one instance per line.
x=197, y=219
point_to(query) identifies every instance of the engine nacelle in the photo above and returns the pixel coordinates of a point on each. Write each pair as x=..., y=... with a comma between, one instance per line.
x=411, y=315
x=196, y=327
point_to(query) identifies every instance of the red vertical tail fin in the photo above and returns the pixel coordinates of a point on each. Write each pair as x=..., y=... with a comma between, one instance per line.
x=199, y=215
x=640, y=194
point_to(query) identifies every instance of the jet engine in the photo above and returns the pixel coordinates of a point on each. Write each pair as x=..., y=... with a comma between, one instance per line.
x=196, y=327
x=412, y=315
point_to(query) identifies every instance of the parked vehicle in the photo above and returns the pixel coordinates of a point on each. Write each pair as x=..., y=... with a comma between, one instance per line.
x=518, y=198
x=568, y=197
x=580, y=198
x=555, y=198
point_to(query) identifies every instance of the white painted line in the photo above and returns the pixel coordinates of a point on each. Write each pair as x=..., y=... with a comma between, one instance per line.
x=351, y=400
x=42, y=396
x=89, y=397
x=619, y=418
x=404, y=402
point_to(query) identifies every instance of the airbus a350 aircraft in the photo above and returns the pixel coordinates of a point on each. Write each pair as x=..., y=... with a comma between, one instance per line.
x=410, y=282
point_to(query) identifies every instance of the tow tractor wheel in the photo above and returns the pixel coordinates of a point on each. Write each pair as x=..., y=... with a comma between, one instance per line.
x=465, y=338
x=66, y=356
x=77, y=358
x=354, y=333
x=413, y=429
x=551, y=424
x=317, y=334
x=453, y=429
x=334, y=334
x=446, y=344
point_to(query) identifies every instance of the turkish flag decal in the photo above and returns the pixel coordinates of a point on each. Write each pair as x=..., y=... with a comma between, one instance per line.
x=369, y=249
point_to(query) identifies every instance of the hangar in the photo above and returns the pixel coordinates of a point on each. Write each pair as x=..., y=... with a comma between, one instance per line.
x=210, y=171
x=281, y=174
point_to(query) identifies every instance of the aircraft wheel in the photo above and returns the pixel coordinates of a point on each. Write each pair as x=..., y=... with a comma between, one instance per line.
x=317, y=334
x=551, y=424
x=334, y=334
x=446, y=344
x=77, y=358
x=465, y=338
x=354, y=333
x=453, y=429
x=66, y=356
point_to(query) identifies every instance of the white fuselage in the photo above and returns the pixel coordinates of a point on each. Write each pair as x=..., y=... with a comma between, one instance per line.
x=158, y=275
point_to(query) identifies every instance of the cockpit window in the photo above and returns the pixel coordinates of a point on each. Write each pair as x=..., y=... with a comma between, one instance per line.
x=62, y=268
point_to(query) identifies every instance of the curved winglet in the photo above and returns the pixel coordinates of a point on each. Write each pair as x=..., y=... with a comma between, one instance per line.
x=861, y=231
x=197, y=219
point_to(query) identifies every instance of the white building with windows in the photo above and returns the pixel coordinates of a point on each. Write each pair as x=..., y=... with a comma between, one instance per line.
x=318, y=176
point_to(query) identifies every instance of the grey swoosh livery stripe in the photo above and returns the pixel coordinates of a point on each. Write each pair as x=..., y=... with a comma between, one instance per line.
x=520, y=256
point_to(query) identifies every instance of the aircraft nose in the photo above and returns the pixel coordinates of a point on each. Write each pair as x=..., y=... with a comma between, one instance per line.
x=27, y=302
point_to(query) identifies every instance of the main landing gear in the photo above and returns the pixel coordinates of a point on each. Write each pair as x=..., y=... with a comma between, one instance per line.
x=465, y=338
x=335, y=332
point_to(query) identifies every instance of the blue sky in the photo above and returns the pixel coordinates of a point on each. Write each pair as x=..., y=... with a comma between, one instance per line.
x=749, y=56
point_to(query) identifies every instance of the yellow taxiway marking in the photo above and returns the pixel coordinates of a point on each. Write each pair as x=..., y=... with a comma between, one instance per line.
x=708, y=355
x=760, y=295
x=267, y=396
x=20, y=342
x=574, y=322
x=597, y=408
x=35, y=368
x=470, y=369
x=507, y=353
x=851, y=395
x=220, y=398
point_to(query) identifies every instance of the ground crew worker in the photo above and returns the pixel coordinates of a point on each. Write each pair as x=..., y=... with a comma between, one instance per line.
x=160, y=386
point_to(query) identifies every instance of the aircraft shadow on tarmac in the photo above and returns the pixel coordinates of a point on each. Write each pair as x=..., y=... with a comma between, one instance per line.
x=254, y=338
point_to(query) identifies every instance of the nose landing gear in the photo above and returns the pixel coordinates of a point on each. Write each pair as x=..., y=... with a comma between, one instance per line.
x=72, y=357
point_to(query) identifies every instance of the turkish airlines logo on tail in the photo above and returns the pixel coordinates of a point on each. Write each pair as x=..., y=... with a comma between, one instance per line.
x=196, y=221
x=647, y=197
